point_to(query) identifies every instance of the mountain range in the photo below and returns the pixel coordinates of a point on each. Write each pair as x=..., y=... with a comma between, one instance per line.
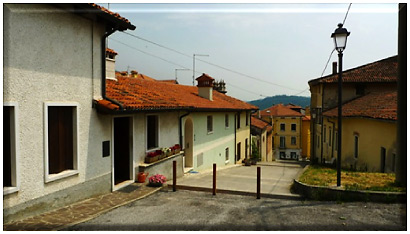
x=284, y=99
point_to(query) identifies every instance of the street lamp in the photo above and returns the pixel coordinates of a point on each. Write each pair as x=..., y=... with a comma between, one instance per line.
x=179, y=69
x=340, y=38
x=193, y=75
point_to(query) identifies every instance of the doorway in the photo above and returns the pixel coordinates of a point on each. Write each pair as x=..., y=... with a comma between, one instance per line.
x=189, y=143
x=122, y=162
x=238, y=151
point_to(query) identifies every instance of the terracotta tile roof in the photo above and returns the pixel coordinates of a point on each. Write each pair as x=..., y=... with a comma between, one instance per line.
x=111, y=51
x=384, y=70
x=280, y=110
x=146, y=94
x=114, y=14
x=260, y=124
x=306, y=118
x=377, y=105
x=169, y=81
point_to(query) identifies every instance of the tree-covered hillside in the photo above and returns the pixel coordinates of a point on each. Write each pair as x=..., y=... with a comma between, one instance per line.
x=284, y=99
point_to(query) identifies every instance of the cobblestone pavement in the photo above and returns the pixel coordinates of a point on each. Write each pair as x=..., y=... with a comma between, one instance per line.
x=82, y=211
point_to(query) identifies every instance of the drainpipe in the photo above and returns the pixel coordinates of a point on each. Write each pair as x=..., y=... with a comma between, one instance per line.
x=321, y=120
x=249, y=141
x=180, y=130
x=103, y=66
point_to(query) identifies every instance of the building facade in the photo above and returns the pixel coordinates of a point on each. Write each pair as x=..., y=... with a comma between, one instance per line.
x=52, y=71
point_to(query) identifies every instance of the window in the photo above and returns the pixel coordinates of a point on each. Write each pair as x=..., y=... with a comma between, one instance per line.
x=293, y=140
x=293, y=155
x=282, y=127
x=226, y=121
x=10, y=150
x=238, y=151
x=227, y=155
x=152, y=132
x=356, y=146
x=282, y=142
x=62, y=140
x=209, y=124
x=238, y=120
x=247, y=119
x=324, y=134
x=293, y=127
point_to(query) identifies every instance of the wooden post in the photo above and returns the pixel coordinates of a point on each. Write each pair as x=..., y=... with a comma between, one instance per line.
x=174, y=175
x=214, y=180
x=258, y=183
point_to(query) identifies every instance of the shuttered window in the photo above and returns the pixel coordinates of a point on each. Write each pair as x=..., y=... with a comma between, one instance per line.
x=60, y=139
x=152, y=132
x=7, y=147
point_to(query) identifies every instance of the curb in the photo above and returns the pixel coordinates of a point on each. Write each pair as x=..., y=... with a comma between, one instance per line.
x=337, y=194
x=107, y=210
x=235, y=192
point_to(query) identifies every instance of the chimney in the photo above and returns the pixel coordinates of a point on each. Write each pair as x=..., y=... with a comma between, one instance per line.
x=110, y=64
x=205, y=84
x=334, y=71
x=220, y=86
x=134, y=73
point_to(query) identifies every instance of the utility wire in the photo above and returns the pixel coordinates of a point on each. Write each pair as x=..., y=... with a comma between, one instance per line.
x=346, y=14
x=197, y=72
x=224, y=68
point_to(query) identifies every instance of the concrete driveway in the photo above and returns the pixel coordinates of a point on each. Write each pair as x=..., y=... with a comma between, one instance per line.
x=276, y=177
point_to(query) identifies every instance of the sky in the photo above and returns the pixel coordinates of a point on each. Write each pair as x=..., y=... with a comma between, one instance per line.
x=259, y=50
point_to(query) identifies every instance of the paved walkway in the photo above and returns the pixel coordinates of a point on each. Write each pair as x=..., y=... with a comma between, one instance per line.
x=82, y=211
x=276, y=179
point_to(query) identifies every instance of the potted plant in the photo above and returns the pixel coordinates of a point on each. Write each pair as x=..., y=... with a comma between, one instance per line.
x=247, y=162
x=177, y=149
x=151, y=157
x=157, y=180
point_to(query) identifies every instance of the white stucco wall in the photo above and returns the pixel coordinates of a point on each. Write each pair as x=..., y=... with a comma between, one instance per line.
x=211, y=146
x=53, y=56
x=168, y=133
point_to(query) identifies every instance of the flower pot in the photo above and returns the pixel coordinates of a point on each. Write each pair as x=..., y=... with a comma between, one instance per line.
x=161, y=156
x=177, y=151
x=142, y=177
x=151, y=159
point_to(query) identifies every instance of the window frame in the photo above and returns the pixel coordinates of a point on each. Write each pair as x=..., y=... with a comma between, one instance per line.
x=15, y=146
x=291, y=140
x=284, y=127
x=291, y=126
x=76, y=123
x=157, y=135
x=238, y=121
x=226, y=121
x=209, y=126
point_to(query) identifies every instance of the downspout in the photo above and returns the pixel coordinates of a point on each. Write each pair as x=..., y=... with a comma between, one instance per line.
x=180, y=130
x=103, y=72
x=321, y=124
x=300, y=137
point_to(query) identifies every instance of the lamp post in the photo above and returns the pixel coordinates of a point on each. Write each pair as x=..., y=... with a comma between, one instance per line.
x=193, y=74
x=179, y=69
x=340, y=38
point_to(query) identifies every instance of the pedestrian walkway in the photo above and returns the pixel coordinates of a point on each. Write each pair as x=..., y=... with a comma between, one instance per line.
x=82, y=211
x=276, y=179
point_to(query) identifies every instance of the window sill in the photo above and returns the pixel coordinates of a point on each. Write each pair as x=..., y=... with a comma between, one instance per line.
x=209, y=133
x=226, y=162
x=10, y=190
x=61, y=175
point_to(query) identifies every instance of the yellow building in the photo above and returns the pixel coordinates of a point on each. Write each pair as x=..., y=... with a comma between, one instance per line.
x=378, y=76
x=261, y=132
x=287, y=131
x=243, y=135
x=368, y=133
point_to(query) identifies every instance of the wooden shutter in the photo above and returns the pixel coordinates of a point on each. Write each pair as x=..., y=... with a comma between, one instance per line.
x=60, y=139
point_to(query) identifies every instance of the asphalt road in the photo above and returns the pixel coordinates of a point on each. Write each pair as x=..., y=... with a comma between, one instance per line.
x=189, y=210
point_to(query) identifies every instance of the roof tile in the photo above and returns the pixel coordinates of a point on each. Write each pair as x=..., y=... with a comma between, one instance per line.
x=377, y=105
x=280, y=110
